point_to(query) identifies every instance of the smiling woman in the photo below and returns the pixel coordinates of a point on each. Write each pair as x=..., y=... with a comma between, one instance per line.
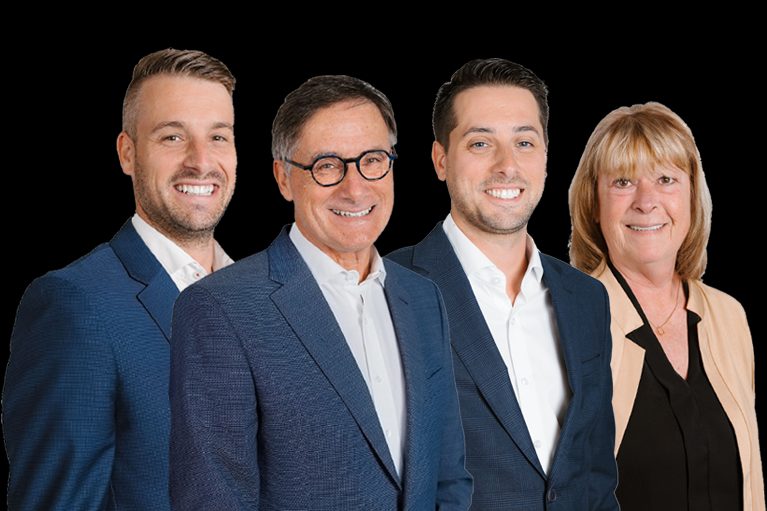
x=648, y=216
x=683, y=363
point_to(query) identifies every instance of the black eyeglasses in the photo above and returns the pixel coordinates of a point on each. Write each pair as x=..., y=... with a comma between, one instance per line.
x=329, y=170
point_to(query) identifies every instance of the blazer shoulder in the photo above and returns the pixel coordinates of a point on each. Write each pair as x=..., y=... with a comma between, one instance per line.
x=253, y=267
x=574, y=276
x=408, y=277
x=238, y=285
x=89, y=271
x=721, y=313
x=718, y=299
x=402, y=256
x=69, y=305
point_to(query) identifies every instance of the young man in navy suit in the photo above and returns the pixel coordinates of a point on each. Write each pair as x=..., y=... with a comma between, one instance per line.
x=85, y=403
x=314, y=375
x=530, y=335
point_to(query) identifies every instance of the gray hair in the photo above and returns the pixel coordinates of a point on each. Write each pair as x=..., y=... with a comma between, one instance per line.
x=320, y=92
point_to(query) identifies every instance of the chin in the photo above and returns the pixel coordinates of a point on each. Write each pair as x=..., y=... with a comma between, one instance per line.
x=200, y=224
x=357, y=244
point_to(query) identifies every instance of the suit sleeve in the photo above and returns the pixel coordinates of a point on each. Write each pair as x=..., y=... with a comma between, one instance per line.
x=59, y=401
x=604, y=471
x=748, y=349
x=756, y=475
x=213, y=448
x=454, y=487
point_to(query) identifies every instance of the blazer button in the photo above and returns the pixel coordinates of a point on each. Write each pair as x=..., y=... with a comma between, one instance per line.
x=552, y=495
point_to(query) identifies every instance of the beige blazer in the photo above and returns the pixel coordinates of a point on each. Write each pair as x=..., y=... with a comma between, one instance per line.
x=727, y=354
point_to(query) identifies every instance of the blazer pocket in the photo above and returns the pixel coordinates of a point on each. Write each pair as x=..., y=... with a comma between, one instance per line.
x=591, y=365
x=431, y=371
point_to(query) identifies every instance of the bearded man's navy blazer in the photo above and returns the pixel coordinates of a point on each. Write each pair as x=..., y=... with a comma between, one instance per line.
x=85, y=404
x=499, y=451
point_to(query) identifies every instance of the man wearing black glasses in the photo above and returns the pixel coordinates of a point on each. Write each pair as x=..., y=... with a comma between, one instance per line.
x=313, y=375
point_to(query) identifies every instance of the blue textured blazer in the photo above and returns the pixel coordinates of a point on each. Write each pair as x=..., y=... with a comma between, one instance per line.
x=499, y=451
x=270, y=411
x=85, y=402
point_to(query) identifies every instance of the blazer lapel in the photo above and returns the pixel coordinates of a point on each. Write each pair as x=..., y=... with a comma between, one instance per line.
x=720, y=371
x=627, y=357
x=471, y=339
x=160, y=292
x=301, y=302
x=567, y=327
x=414, y=373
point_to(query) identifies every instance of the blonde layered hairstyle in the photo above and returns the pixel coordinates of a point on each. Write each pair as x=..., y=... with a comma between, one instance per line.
x=628, y=141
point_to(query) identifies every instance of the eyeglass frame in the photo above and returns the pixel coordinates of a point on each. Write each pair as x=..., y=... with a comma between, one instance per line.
x=346, y=161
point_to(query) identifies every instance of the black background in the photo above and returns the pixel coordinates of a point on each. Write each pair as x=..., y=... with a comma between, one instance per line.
x=65, y=192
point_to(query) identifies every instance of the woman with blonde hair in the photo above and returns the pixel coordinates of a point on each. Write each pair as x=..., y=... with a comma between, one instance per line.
x=683, y=363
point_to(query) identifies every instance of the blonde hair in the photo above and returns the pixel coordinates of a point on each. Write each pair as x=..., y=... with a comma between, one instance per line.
x=627, y=140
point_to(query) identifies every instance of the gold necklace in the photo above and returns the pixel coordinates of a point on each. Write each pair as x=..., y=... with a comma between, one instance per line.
x=659, y=328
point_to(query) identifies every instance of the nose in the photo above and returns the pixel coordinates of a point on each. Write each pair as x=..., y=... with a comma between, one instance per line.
x=353, y=184
x=506, y=161
x=645, y=199
x=197, y=155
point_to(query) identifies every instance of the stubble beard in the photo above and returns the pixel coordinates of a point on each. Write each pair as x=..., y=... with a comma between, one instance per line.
x=184, y=225
x=501, y=223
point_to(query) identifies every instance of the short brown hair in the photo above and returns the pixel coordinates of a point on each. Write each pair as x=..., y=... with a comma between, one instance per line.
x=476, y=73
x=625, y=141
x=192, y=63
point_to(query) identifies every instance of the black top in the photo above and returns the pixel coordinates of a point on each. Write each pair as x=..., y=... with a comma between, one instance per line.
x=679, y=450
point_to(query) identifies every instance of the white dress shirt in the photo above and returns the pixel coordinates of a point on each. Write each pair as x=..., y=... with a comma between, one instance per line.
x=182, y=268
x=362, y=313
x=526, y=335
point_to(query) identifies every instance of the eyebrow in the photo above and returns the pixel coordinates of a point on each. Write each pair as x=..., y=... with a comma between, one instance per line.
x=322, y=154
x=223, y=125
x=517, y=129
x=180, y=125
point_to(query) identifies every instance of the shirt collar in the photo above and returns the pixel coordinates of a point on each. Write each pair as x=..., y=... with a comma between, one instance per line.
x=172, y=257
x=325, y=270
x=475, y=262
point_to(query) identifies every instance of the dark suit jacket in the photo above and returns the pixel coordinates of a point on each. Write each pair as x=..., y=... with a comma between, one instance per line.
x=85, y=403
x=270, y=411
x=499, y=451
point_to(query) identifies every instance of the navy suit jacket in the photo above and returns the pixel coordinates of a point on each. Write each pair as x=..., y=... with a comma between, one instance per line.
x=85, y=403
x=499, y=451
x=270, y=411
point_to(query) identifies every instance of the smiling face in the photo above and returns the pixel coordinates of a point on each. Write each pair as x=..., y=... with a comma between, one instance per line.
x=346, y=219
x=183, y=159
x=645, y=219
x=495, y=166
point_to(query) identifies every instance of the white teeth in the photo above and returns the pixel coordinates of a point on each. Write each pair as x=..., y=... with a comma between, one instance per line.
x=504, y=193
x=349, y=214
x=200, y=190
x=648, y=228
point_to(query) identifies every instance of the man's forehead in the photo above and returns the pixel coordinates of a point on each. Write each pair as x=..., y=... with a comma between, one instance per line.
x=482, y=107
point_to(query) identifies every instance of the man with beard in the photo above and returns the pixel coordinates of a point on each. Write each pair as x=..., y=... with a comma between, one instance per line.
x=530, y=335
x=85, y=403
